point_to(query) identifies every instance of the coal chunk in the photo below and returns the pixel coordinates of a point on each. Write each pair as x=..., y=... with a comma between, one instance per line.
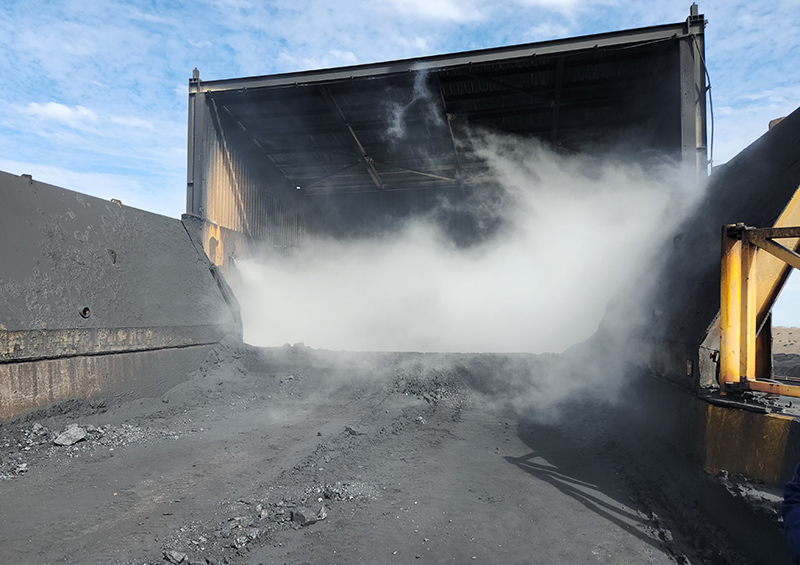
x=304, y=516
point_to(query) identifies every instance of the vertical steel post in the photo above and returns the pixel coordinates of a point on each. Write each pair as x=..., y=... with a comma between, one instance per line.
x=747, y=355
x=195, y=166
x=730, y=309
x=693, y=94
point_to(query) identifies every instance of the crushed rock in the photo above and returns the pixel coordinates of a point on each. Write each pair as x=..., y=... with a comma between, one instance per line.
x=21, y=447
x=172, y=556
x=256, y=520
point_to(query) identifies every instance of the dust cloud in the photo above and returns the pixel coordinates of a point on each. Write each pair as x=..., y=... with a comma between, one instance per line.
x=575, y=232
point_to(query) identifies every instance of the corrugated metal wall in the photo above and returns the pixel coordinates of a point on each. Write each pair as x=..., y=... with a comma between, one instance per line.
x=241, y=191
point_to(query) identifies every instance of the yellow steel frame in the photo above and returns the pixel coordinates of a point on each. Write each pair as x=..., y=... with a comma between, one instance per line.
x=754, y=269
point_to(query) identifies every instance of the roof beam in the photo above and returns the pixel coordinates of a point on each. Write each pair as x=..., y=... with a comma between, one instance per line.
x=361, y=152
x=333, y=174
x=304, y=173
x=420, y=173
x=290, y=126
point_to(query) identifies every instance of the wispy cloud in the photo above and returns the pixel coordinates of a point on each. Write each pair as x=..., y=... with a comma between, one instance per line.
x=547, y=30
x=569, y=7
x=458, y=11
x=75, y=117
x=334, y=58
x=104, y=89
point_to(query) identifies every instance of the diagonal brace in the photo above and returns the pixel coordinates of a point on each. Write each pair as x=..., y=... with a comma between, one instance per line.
x=783, y=253
x=354, y=141
x=421, y=173
x=333, y=174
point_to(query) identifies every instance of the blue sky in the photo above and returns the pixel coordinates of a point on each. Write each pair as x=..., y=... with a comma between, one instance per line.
x=94, y=92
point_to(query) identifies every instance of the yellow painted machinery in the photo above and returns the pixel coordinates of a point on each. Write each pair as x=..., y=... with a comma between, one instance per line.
x=755, y=266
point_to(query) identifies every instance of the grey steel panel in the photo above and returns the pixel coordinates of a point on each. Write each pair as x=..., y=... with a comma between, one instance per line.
x=65, y=251
x=239, y=185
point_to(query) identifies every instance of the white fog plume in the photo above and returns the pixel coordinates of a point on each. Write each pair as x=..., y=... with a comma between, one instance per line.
x=422, y=97
x=577, y=230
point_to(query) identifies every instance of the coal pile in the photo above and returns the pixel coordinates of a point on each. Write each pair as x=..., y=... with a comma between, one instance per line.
x=295, y=455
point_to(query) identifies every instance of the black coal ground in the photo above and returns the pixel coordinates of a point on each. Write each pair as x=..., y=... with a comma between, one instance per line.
x=396, y=458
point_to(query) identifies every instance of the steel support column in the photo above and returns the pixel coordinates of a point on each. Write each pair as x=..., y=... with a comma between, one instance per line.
x=747, y=359
x=730, y=310
x=196, y=187
x=693, y=94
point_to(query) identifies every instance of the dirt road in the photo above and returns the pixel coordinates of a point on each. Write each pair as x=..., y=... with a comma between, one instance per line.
x=401, y=458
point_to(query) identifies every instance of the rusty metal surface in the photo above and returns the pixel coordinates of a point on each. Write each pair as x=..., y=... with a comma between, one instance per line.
x=28, y=345
x=30, y=385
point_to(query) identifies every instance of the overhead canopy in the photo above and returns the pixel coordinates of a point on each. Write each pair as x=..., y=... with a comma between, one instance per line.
x=353, y=151
x=405, y=124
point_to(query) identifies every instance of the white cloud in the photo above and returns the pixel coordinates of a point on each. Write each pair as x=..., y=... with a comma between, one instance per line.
x=75, y=117
x=87, y=128
x=776, y=96
x=138, y=159
x=132, y=122
x=416, y=43
x=346, y=57
x=334, y=58
x=746, y=118
x=566, y=6
x=458, y=11
x=547, y=30
x=136, y=14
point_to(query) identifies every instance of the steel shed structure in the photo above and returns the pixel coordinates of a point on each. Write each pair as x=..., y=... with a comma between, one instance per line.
x=338, y=150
